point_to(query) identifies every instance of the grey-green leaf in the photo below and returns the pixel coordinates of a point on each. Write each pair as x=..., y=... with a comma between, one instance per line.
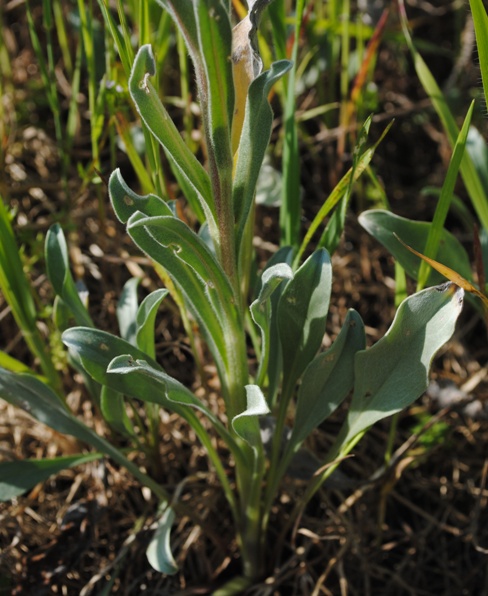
x=275, y=362
x=261, y=308
x=126, y=202
x=302, y=311
x=328, y=379
x=383, y=224
x=163, y=128
x=394, y=372
x=246, y=424
x=141, y=379
x=159, y=552
x=145, y=319
x=113, y=410
x=17, y=477
x=127, y=310
x=215, y=45
x=59, y=274
x=194, y=270
x=96, y=349
x=254, y=141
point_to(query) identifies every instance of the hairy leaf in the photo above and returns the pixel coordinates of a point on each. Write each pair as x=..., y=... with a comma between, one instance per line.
x=159, y=552
x=254, y=141
x=302, y=311
x=246, y=424
x=17, y=477
x=126, y=202
x=162, y=127
x=394, y=372
x=384, y=224
x=57, y=265
x=328, y=379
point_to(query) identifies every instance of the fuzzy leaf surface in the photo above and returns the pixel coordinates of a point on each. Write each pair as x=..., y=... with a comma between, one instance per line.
x=17, y=477
x=59, y=274
x=302, y=311
x=126, y=202
x=254, y=140
x=145, y=320
x=127, y=310
x=194, y=269
x=261, y=308
x=158, y=121
x=395, y=371
x=383, y=224
x=246, y=424
x=159, y=552
x=328, y=379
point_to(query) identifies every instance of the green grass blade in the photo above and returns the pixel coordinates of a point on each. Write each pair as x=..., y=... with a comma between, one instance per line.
x=338, y=193
x=435, y=232
x=124, y=48
x=31, y=395
x=157, y=119
x=18, y=294
x=480, y=19
x=290, y=212
x=469, y=174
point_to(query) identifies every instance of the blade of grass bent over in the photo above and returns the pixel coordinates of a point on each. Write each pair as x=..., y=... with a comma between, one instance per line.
x=452, y=275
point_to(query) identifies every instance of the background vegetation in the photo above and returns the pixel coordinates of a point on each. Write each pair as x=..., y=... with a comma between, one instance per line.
x=407, y=514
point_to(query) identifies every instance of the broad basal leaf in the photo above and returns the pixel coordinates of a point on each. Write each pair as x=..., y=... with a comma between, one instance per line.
x=159, y=552
x=302, y=311
x=158, y=121
x=58, y=271
x=246, y=424
x=328, y=379
x=17, y=477
x=382, y=225
x=395, y=371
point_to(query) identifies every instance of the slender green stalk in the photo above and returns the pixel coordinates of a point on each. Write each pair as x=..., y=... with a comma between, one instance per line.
x=442, y=208
x=86, y=20
x=18, y=294
x=290, y=210
x=46, y=68
x=62, y=34
x=469, y=174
